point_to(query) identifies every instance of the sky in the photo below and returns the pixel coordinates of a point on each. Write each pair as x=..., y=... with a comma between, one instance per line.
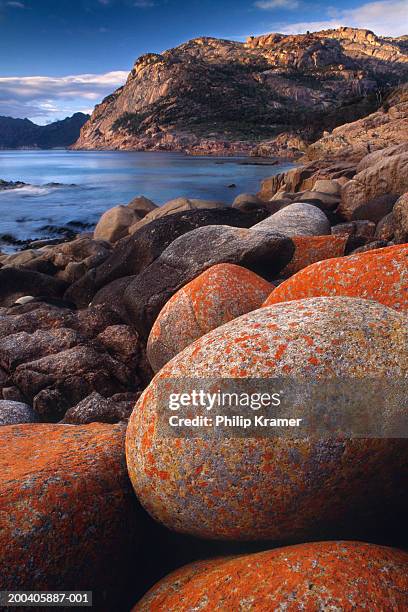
x=58, y=57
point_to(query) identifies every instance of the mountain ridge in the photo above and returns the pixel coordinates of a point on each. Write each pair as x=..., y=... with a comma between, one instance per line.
x=272, y=94
x=23, y=133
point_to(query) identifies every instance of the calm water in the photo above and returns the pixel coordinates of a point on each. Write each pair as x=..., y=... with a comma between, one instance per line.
x=95, y=181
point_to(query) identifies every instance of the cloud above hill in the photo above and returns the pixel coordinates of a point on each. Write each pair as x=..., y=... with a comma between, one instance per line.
x=49, y=98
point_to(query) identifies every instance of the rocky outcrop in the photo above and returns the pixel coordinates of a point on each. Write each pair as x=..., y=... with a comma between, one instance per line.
x=53, y=358
x=385, y=127
x=270, y=95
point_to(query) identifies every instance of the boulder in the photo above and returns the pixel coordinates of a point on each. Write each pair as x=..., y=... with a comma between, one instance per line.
x=297, y=219
x=262, y=252
x=14, y=413
x=141, y=206
x=400, y=213
x=133, y=254
x=218, y=295
x=376, y=209
x=380, y=275
x=17, y=282
x=372, y=246
x=326, y=201
x=328, y=186
x=358, y=233
x=115, y=223
x=314, y=576
x=309, y=249
x=387, y=176
x=175, y=206
x=245, y=200
x=112, y=294
x=96, y=408
x=280, y=487
x=385, y=228
x=65, y=498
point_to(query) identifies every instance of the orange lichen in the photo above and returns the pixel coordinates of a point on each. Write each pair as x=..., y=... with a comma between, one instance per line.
x=310, y=249
x=322, y=575
x=380, y=275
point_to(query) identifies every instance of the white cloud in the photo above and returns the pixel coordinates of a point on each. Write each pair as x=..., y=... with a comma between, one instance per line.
x=15, y=4
x=386, y=18
x=43, y=98
x=270, y=5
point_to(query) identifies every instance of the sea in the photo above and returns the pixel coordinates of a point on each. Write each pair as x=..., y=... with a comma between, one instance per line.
x=71, y=189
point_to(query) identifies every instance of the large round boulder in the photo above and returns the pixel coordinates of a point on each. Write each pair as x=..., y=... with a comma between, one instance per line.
x=281, y=488
x=69, y=516
x=381, y=275
x=316, y=576
x=263, y=252
x=298, y=219
x=218, y=295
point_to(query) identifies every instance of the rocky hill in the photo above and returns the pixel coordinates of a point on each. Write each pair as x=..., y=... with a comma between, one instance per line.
x=23, y=133
x=272, y=94
x=385, y=127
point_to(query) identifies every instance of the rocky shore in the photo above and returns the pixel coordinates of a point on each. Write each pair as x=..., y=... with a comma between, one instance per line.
x=307, y=278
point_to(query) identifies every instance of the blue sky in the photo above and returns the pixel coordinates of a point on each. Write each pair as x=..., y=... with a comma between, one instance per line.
x=61, y=56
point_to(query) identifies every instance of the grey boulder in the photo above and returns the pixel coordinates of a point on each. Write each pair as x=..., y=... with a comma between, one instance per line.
x=298, y=219
x=16, y=413
x=264, y=252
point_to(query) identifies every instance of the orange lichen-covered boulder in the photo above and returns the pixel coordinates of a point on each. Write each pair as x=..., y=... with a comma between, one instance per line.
x=218, y=295
x=309, y=249
x=219, y=486
x=67, y=510
x=317, y=576
x=380, y=275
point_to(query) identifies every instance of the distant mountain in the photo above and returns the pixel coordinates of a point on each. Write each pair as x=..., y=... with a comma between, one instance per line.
x=22, y=133
x=273, y=93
